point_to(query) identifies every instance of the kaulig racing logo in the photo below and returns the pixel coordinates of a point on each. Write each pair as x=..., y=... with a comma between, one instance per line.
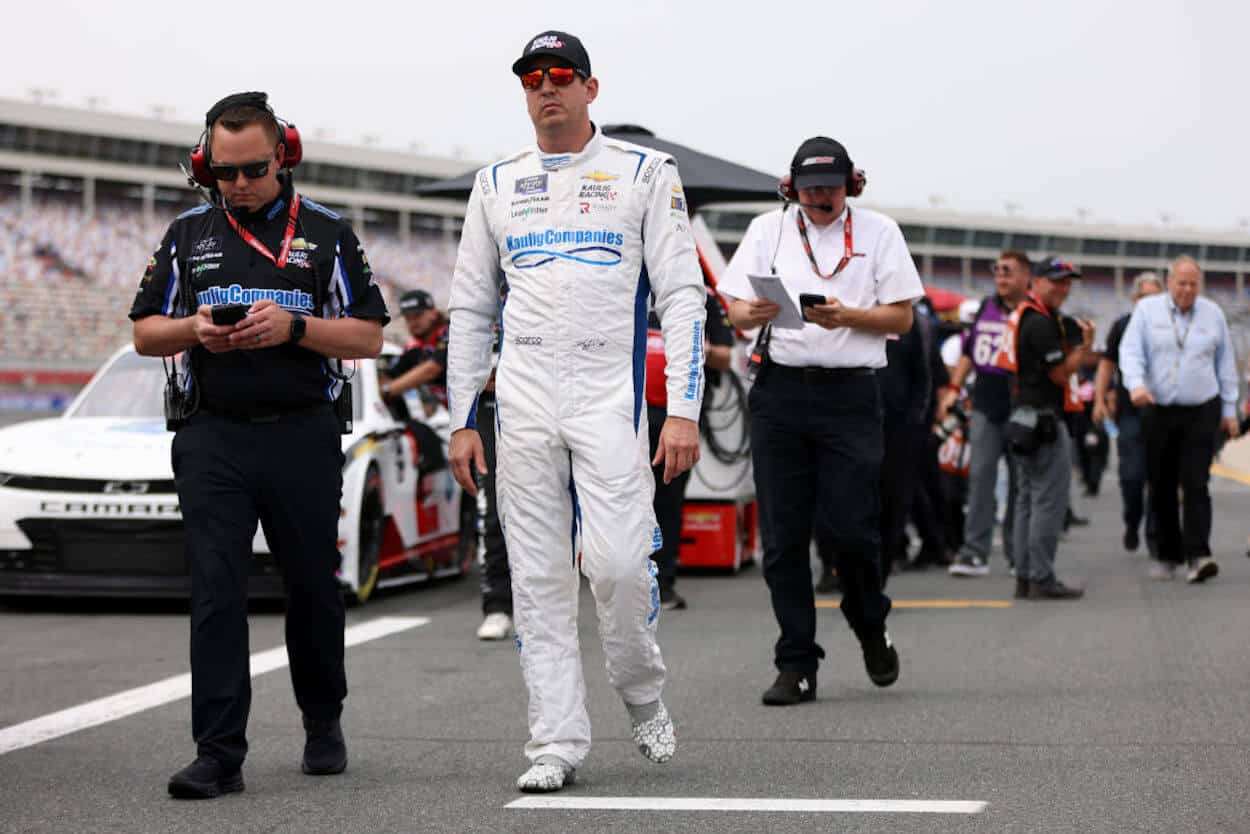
x=595, y=247
x=295, y=300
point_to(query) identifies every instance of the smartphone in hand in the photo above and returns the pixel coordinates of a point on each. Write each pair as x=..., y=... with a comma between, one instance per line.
x=226, y=314
x=809, y=299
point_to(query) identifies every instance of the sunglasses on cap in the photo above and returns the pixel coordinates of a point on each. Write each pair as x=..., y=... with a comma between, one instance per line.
x=560, y=77
x=250, y=170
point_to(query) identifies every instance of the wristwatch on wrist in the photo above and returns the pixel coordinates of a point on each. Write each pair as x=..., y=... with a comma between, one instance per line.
x=298, y=326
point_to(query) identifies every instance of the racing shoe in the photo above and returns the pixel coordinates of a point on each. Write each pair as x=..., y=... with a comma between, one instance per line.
x=880, y=658
x=205, y=778
x=496, y=626
x=653, y=733
x=791, y=688
x=547, y=774
x=325, y=752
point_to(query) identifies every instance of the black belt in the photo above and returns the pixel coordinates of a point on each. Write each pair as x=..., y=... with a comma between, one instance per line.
x=818, y=375
x=267, y=417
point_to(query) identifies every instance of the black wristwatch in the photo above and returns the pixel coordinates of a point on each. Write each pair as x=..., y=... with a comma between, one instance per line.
x=298, y=326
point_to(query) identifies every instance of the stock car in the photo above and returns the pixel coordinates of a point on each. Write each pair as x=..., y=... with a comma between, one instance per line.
x=88, y=507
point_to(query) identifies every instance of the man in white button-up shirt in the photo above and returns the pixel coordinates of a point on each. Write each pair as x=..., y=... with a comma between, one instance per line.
x=816, y=422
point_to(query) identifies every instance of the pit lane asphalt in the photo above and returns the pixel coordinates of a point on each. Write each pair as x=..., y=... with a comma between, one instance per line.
x=1128, y=711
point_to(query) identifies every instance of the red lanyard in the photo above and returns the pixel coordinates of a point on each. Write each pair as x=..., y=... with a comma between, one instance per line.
x=250, y=239
x=847, y=253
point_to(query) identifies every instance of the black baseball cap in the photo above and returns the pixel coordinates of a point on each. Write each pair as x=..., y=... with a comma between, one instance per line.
x=820, y=161
x=560, y=45
x=414, y=301
x=1055, y=268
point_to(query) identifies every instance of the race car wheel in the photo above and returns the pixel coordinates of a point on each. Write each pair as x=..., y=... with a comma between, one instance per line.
x=372, y=525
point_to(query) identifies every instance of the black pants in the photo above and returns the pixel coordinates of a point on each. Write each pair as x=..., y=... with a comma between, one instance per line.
x=1131, y=449
x=496, y=578
x=929, y=503
x=816, y=449
x=670, y=498
x=289, y=475
x=1180, y=443
x=897, y=479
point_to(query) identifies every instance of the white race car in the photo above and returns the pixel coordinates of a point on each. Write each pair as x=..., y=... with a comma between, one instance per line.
x=88, y=507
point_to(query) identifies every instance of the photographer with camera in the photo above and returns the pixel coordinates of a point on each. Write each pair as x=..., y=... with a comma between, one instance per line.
x=816, y=424
x=1044, y=350
x=256, y=290
x=991, y=403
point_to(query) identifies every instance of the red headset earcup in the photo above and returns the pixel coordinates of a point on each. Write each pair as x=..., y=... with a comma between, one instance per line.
x=199, y=168
x=294, y=146
x=786, y=189
x=859, y=180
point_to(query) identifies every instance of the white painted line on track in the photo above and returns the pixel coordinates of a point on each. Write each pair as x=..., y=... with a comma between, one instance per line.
x=123, y=704
x=807, y=806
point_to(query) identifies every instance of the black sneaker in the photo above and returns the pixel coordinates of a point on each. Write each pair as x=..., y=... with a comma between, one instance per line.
x=325, y=753
x=1022, y=588
x=828, y=582
x=205, y=778
x=880, y=659
x=1131, y=540
x=670, y=600
x=791, y=688
x=1054, y=589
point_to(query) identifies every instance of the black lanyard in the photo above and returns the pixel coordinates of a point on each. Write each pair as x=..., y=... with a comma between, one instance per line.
x=1176, y=333
x=848, y=251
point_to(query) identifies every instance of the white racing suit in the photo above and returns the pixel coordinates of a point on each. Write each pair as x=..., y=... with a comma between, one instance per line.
x=582, y=240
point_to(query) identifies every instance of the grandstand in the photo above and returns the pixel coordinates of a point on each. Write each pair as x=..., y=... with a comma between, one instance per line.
x=85, y=197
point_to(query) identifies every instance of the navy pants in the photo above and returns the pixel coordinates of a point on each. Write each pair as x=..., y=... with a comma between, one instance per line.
x=287, y=474
x=816, y=449
x=496, y=577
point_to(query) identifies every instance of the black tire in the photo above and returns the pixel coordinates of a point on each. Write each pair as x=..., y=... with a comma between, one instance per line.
x=372, y=526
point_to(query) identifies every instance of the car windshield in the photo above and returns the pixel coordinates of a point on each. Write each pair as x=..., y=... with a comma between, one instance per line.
x=132, y=386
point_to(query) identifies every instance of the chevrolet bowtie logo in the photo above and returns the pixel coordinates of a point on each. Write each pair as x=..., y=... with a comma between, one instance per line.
x=600, y=176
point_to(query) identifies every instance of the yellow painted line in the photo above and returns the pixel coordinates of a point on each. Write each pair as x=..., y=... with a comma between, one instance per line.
x=931, y=603
x=1231, y=474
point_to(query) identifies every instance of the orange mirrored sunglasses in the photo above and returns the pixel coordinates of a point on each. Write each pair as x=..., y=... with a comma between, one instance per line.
x=560, y=77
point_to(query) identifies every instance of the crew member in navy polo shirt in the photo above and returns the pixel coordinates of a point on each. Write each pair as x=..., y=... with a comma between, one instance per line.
x=262, y=441
x=816, y=420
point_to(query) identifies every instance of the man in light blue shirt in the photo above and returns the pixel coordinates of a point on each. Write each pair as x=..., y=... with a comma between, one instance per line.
x=1178, y=366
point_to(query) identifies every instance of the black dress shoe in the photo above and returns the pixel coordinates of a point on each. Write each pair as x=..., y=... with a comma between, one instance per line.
x=1022, y=588
x=1054, y=589
x=791, y=688
x=1131, y=540
x=325, y=753
x=880, y=659
x=205, y=778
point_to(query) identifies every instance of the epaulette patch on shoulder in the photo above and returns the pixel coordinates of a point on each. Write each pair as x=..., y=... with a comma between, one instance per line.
x=194, y=211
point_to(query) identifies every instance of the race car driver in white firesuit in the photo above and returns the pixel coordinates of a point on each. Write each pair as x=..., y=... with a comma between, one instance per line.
x=584, y=229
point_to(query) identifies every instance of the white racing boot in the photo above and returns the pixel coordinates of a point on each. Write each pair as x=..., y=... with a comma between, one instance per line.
x=653, y=731
x=497, y=626
x=546, y=775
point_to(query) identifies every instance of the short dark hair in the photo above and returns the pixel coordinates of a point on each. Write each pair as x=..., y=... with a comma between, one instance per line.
x=236, y=118
x=1017, y=256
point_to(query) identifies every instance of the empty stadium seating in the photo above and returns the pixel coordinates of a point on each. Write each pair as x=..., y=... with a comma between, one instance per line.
x=67, y=280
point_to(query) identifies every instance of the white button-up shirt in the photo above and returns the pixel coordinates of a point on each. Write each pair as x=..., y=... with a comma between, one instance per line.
x=882, y=272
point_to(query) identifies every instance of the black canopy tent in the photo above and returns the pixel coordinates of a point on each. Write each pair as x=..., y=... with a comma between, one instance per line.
x=705, y=178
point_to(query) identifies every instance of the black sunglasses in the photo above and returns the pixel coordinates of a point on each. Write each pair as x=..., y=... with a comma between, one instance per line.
x=250, y=170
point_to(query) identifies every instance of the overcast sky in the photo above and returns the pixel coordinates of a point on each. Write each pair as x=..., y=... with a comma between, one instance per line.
x=1127, y=110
